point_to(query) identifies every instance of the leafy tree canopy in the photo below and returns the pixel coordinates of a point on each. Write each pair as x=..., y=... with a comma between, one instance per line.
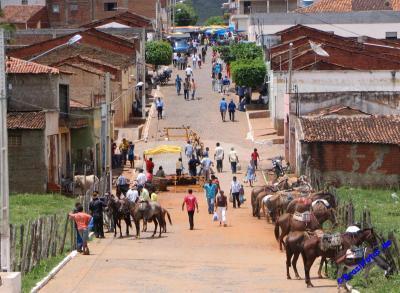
x=235, y=52
x=215, y=20
x=185, y=15
x=249, y=73
x=158, y=53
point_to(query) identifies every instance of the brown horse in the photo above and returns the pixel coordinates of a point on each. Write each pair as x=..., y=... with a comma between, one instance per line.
x=267, y=189
x=303, y=204
x=148, y=212
x=287, y=223
x=119, y=210
x=308, y=245
x=274, y=206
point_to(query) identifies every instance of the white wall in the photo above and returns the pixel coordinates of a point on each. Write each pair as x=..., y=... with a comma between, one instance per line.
x=330, y=81
x=4, y=3
x=374, y=30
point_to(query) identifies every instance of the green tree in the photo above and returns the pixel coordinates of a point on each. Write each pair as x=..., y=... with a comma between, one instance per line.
x=158, y=53
x=249, y=73
x=185, y=15
x=215, y=20
x=246, y=51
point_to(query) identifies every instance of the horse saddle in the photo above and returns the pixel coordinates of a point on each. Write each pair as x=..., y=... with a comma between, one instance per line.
x=323, y=201
x=143, y=205
x=329, y=241
x=304, y=201
x=266, y=198
x=302, y=217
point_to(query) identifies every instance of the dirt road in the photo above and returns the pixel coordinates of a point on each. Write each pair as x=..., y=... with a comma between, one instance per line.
x=241, y=257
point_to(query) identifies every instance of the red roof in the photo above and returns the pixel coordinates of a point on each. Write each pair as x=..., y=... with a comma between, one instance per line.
x=365, y=129
x=15, y=65
x=339, y=110
x=126, y=18
x=26, y=120
x=77, y=104
x=350, y=5
x=20, y=13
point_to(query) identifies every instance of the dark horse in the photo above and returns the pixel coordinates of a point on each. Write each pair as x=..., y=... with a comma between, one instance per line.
x=303, y=204
x=148, y=212
x=308, y=245
x=119, y=210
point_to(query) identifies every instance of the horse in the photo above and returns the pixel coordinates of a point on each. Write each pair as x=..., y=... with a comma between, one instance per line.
x=119, y=210
x=303, y=204
x=148, y=212
x=265, y=190
x=274, y=205
x=166, y=213
x=318, y=216
x=85, y=184
x=308, y=245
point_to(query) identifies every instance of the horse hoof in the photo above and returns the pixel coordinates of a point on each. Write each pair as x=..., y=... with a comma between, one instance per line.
x=320, y=276
x=298, y=278
x=310, y=285
x=289, y=278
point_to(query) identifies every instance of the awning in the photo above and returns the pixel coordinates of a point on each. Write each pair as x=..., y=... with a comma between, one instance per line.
x=164, y=149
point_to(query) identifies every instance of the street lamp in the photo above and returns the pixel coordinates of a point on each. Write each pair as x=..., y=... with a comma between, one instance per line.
x=70, y=42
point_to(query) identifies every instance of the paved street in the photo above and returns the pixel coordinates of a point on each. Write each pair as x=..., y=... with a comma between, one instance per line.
x=241, y=257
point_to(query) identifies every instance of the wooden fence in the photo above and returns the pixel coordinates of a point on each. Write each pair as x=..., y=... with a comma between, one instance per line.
x=40, y=239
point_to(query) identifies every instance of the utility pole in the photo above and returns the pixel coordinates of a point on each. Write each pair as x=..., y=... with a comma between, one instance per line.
x=4, y=192
x=108, y=132
x=173, y=15
x=290, y=67
x=143, y=65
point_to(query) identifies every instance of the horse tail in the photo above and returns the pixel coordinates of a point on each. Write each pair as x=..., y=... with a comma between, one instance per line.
x=276, y=230
x=169, y=218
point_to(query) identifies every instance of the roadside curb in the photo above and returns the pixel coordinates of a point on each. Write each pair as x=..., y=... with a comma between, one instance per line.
x=53, y=272
x=250, y=128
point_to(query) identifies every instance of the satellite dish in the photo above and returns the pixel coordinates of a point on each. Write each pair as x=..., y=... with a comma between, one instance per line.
x=318, y=50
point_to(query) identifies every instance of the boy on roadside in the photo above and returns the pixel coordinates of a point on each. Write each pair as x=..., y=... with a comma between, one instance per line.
x=82, y=222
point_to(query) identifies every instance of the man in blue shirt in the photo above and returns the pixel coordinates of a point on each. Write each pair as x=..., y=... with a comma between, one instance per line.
x=232, y=109
x=211, y=191
x=226, y=83
x=159, y=106
x=223, y=107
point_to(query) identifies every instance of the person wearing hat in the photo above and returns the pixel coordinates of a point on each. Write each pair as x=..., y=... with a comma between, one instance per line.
x=133, y=194
x=96, y=210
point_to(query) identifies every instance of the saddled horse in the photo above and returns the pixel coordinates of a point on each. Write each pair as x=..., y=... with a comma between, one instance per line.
x=308, y=245
x=274, y=205
x=148, y=212
x=303, y=204
x=119, y=210
x=287, y=222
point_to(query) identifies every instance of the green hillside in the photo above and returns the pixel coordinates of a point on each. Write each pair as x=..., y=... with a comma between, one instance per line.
x=207, y=8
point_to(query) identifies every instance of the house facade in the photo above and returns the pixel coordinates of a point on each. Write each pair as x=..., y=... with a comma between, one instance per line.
x=38, y=122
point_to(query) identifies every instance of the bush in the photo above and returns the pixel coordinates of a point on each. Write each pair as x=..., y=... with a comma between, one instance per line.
x=215, y=20
x=234, y=52
x=185, y=15
x=158, y=53
x=249, y=73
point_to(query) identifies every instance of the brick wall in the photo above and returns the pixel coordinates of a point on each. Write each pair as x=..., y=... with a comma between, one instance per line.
x=27, y=167
x=355, y=164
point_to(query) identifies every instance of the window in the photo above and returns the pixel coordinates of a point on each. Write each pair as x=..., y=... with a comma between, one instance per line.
x=64, y=100
x=391, y=35
x=110, y=6
x=73, y=7
x=14, y=140
x=55, y=8
x=24, y=2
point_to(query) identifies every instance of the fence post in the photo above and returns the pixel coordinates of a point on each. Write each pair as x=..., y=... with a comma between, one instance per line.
x=22, y=246
x=64, y=235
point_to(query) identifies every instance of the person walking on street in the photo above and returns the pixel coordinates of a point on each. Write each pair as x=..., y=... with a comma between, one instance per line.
x=251, y=173
x=206, y=164
x=191, y=204
x=123, y=148
x=179, y=167
x=188, y=150
x=223, y=107
x=82, y=222
x=231, y=110
x=189, y=72
x=226, y=83
x=178, y=84
x=193, y=88
x=199, y=60
x=221, y=207
x=255, y=157
x=219, y=157
x=194, y=60
x=186, y=89
x=211, y=190
x=96, y=210
x=131, y=154
x=235, y=191
x=234, y=160
x=160, y=107
x=193, y=163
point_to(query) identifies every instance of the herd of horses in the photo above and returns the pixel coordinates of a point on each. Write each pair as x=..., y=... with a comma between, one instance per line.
x=298, y=214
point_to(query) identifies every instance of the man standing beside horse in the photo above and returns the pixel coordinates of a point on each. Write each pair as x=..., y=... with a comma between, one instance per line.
x=96, y=210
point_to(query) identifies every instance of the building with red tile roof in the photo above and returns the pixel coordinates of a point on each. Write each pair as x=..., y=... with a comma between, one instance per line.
x=26, y=16
x=350, y=5
x=26, y=120
x=19, y=66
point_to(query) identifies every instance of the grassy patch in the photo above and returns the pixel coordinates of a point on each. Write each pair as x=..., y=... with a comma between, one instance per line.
x=24, y=207
x=385, y=217
x=39, y=272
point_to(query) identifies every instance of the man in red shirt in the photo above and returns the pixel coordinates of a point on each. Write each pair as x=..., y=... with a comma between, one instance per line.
x=255, y=157
x=149, y=165
x=82, y=222
x=191, y=204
